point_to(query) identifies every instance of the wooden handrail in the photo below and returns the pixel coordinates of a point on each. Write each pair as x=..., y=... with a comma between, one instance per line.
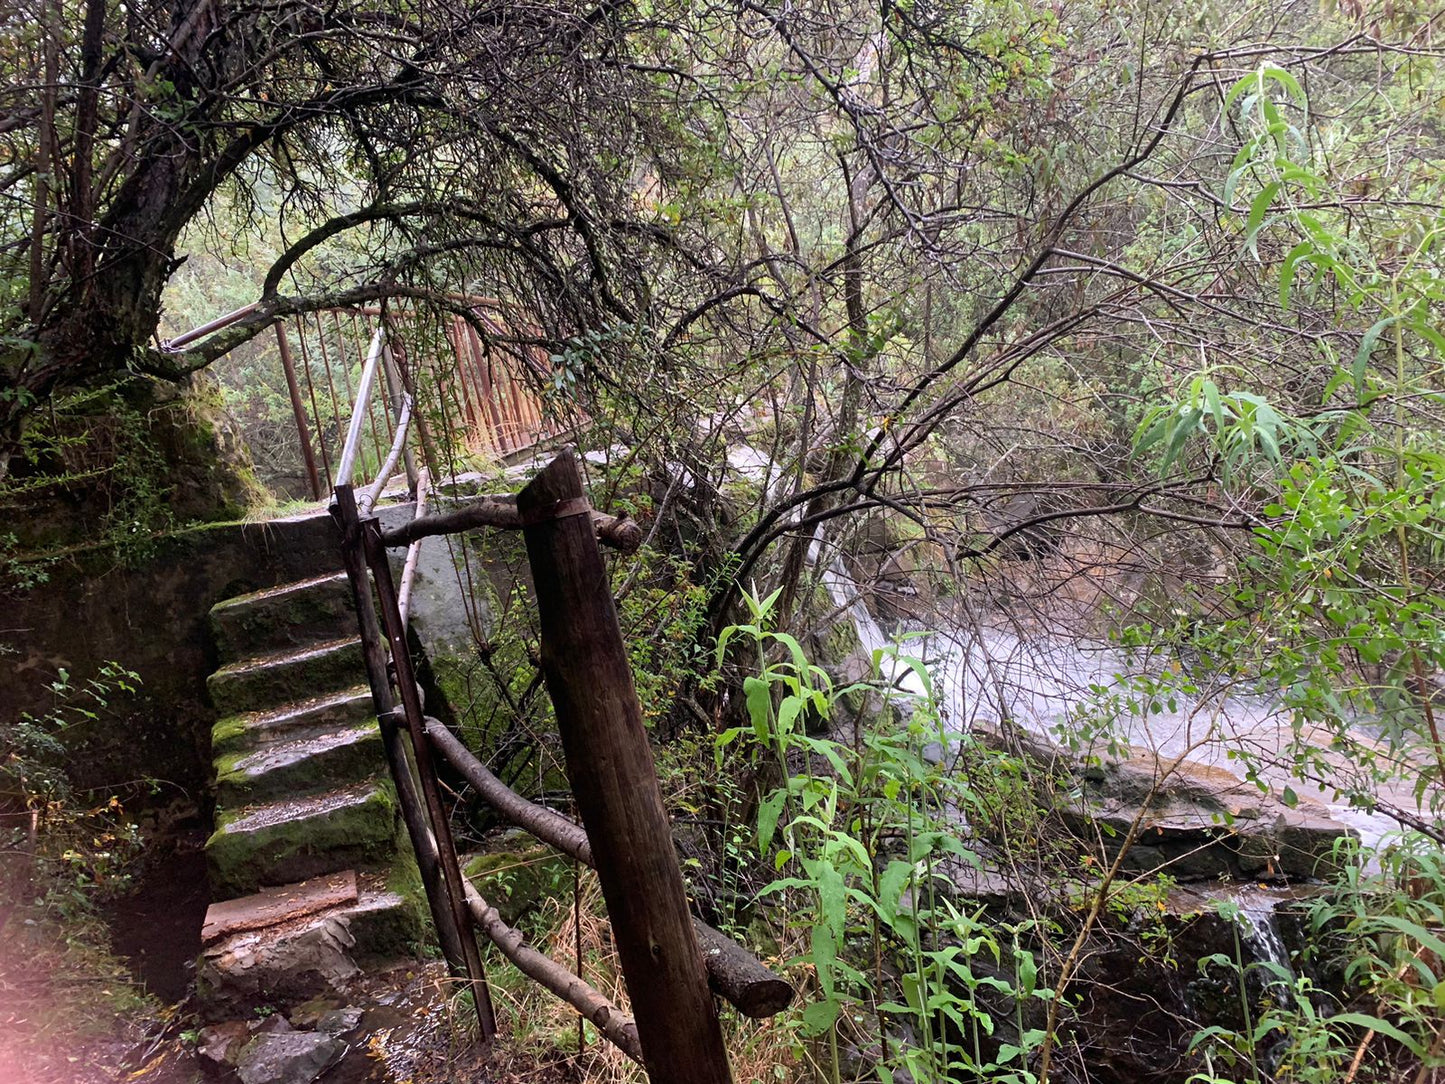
x=614, y=1025
x=733, y=972
x=411, y=712
x=372, y=492
x=359, y=407
x=618, y=532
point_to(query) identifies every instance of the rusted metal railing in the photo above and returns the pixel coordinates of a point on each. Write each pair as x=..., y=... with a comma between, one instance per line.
x=480, y=389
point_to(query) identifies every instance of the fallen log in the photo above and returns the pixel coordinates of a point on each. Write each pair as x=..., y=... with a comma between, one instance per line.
x=605, y=1016
x=619, y=532
x=733, y=972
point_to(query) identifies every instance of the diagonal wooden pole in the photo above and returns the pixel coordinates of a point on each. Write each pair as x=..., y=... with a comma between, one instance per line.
x=413, y=812
x=421, y=753
x=614, y=780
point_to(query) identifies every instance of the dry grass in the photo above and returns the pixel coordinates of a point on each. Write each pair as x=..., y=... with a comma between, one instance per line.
x=540, y=1044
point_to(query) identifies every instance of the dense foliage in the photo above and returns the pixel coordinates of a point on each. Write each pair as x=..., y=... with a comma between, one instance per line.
x=1107, y=321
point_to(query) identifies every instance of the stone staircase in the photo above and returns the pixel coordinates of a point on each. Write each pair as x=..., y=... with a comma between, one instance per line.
x=303, y=802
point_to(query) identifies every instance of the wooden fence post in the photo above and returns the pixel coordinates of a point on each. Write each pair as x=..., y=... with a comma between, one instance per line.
x=373, y=650
x=614, y=780
x=441, y=830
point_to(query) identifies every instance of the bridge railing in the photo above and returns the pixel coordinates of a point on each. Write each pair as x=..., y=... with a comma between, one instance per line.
x=478, y=390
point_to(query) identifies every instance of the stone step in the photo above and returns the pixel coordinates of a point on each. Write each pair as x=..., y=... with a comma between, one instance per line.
x=293, y=614
x=302, y=766
x=295, y=839
x=311, y=949
x=237, y=734
x=283, y=678
x=278, y=904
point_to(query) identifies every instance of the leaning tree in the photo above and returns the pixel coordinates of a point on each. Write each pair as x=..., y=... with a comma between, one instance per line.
x=419, y=145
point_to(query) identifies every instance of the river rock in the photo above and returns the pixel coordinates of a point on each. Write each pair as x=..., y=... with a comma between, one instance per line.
x=339, y=1022
x=1201, y=822
x=288, y=1057
x=219, y=1046
x=1204, y=822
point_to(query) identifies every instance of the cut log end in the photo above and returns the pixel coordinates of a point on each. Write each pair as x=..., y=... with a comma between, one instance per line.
x=738, y=977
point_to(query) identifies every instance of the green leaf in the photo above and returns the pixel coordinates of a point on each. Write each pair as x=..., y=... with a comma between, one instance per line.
x=891, y=884
x=760, y=705
x=768, y=813
x=800, y=660
x=819, y=1016
x=788, y=712
x=1384, y=1027
x=1413, y=930
x=1436, y=339
x=1367, y=347
x=1240, y=87
x=1287, y=269
x=1235, y=176
x=1210, y=392
x=1186, y=426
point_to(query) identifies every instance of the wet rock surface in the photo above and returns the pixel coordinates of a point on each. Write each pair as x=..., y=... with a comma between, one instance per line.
x=1195, y=821
x=287, y=1057
x=392, y=1026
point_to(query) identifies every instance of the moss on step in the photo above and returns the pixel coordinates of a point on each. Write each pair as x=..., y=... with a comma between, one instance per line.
x=241, y=733
x=228, y=734
x=255, y=847
x=384, y=933
x=280, y=679
x=314, y=610
x=320, y=762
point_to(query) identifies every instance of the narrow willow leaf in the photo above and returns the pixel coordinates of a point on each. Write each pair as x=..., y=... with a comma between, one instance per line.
x=1288, y=268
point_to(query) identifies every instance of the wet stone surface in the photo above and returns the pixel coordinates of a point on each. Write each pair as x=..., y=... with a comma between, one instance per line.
x=395, y=1025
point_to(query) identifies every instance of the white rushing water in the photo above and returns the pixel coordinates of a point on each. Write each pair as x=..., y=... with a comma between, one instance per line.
x=1255, y=910
x=990, y=675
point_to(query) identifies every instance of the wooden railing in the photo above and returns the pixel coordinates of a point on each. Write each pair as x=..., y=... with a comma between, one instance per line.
x=671, y=961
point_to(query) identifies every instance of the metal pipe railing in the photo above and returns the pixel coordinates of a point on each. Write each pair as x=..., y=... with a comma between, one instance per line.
x=413, y=551
x=397, y=392
x=188, y=337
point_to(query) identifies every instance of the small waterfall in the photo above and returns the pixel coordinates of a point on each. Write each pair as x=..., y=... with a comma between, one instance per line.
x=1262, y=932
x=1254, y=911
x=844, y=592
x=1037, y=682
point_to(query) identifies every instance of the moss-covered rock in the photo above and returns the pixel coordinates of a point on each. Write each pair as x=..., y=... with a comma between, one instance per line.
x=517, y=881
x=123, y=461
